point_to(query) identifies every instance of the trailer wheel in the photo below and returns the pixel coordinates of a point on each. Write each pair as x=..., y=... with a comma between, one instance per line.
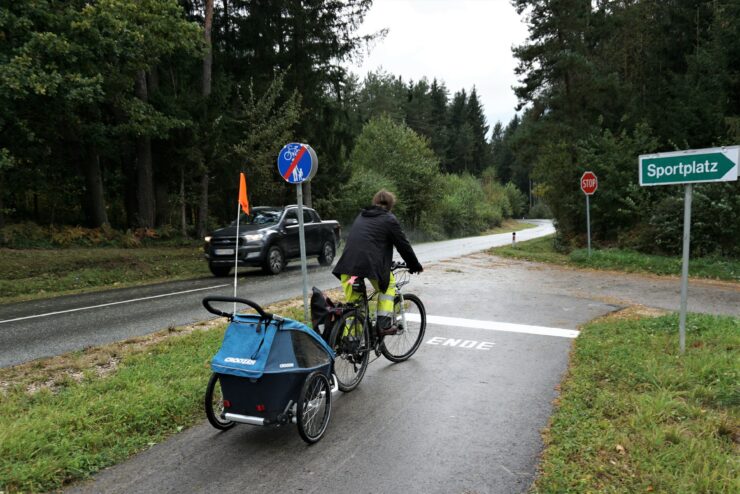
x=214, y=403
x=314, y=407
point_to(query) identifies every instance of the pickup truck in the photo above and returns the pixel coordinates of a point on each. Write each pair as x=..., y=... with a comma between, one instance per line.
x=268, y=238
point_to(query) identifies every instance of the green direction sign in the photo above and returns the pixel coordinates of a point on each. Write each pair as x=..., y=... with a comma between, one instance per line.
x=683, y=167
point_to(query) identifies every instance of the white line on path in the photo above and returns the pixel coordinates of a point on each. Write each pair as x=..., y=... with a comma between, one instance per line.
x=113, y=303
x=497, y=326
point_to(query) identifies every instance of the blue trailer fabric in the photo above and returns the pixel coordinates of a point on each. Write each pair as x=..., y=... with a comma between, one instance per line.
x=252, y=347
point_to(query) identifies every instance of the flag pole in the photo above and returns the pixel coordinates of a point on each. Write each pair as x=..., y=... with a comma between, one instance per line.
x=236, y=248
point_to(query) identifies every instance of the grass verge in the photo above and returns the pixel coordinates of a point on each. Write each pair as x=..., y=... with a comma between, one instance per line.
x=33, y=274
x=541, y=250
x=634, y=416
x=64, y=418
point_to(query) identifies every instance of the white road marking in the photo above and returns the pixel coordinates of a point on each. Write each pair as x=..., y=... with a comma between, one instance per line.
x=113, y=303
x=497, y=326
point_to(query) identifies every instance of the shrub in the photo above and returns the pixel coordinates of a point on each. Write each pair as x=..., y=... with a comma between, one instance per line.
x=517, y=200
x=390, y=153
x=540, y=210
x=463, y=209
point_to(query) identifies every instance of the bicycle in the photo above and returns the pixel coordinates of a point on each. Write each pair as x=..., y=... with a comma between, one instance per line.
x=355, y=334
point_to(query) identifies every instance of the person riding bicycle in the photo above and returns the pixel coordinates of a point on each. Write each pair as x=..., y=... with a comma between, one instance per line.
x=369, y=254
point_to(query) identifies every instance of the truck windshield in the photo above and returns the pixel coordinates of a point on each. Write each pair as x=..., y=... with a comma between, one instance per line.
x=257, y=216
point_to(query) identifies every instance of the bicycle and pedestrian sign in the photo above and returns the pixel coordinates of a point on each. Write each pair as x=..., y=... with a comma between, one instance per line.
x=297, y=163
x=692, y=166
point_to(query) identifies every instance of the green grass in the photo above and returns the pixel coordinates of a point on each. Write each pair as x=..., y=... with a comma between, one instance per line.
x=39, y=273
x=634, y=416
x=64, y=418
x=50, y=438
x=541, y=250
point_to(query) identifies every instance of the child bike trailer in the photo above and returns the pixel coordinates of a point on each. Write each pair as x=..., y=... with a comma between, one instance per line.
x=270, y=371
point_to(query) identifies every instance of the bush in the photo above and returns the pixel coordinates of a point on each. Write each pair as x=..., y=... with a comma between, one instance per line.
x=517, y=200
x=714, y=225
x=32, y=236
x=463, y=209
x=539, y=211
x=394, y=156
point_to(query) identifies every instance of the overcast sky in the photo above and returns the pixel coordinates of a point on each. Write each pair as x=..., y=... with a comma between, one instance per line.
x=465, y=43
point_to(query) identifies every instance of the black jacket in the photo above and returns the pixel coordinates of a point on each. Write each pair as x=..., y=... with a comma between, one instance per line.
x=369, y=249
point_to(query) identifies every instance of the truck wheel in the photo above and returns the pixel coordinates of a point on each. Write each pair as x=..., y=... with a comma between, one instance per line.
x=219, y=270
x=327, y=254
x=274, y=261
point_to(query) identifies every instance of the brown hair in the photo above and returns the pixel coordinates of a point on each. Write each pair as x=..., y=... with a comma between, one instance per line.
x=384, y=199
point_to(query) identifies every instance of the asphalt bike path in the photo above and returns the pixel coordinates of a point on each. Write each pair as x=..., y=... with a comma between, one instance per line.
x=42, y=328
x=463, y=415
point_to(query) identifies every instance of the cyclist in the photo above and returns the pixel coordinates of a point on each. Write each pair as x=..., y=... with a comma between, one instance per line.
x=369, y=253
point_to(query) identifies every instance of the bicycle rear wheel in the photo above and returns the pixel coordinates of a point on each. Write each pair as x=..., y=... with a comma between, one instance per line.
x=350, y=339
x=411, y=327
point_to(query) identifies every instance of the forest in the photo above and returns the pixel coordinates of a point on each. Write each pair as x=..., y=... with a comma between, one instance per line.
x=139, y=115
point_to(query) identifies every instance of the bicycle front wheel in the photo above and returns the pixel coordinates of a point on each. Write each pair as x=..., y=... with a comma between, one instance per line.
x=350, y=339
x=411, y=320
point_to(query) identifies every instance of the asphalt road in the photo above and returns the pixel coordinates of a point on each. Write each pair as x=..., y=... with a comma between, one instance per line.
x=54, y=326
x=462, y=416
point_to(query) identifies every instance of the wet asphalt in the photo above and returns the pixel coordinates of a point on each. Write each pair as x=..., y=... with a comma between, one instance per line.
x=54, y=326
x=459, y=417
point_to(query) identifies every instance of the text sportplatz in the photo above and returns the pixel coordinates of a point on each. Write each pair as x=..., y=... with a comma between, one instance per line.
x=683, y=169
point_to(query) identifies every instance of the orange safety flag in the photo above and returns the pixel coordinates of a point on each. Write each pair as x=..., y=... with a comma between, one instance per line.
x=243, y=193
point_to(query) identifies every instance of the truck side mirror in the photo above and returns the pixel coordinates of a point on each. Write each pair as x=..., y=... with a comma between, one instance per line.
x=291, y=222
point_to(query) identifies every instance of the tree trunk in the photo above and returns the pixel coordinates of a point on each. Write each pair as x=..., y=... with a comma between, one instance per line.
x=183, y=211
x=208, y=57
x=96, y=197
x=2, y=205
x=207, y=64
x=161, y=199
x=144, y=174
x=203, y=206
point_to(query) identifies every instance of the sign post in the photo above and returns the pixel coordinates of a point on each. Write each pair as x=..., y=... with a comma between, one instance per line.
x=297, y=163
x=589, y=184
x=688, y=167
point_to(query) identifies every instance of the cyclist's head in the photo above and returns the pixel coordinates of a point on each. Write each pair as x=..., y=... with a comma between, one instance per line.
x=384, y=199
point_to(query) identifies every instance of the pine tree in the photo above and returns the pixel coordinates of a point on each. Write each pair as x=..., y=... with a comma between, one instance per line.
x=481, y=157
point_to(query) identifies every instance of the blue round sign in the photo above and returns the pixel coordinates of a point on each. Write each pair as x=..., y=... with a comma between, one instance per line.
x=297, y=163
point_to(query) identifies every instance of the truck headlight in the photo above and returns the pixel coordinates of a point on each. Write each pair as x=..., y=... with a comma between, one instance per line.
x=207, y=239
x=253, y=237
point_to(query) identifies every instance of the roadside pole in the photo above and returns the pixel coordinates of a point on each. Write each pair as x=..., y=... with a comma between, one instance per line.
x=297, y=163
x=588, y=224
x=302, y=241
x=687, y=168
x=688, y=193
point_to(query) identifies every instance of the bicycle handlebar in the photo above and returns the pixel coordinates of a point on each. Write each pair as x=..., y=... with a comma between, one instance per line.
x=207, y=304
x=401, y=265
x=398, y=265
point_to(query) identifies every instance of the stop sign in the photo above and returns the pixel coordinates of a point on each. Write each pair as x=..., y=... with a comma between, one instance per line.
x=589, y=183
